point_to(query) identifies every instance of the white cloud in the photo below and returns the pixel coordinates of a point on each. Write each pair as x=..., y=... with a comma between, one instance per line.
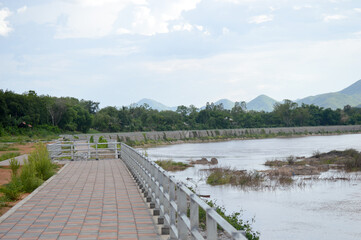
x=357, y=10
x=260, y=19
x=328, y=18
x=96, y=19
x=122, y=31
x=22, y=9
x=88, y=19
x=225, y=31
x=4, y=25
x=183, y=27
x=199, y=27
x=146, y=23
x=298, y=7
x=154, y=18
x=117, y=51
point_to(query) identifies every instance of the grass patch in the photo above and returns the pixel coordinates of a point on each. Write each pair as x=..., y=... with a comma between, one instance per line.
x=7, y=147
x=172, y=166
x=354, y=162
x=283, y=170
x=102, y=140
x=275, y=163
x=24, y=138
x=6, y=156
x=221, y=176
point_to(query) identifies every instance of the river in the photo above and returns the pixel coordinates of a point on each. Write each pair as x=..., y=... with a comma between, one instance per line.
x=320, y=210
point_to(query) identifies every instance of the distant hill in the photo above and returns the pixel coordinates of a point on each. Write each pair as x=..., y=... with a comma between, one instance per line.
x=354, y=89
x=261, y=103
x=227, y=104
x=154, y=105
x=348, y=96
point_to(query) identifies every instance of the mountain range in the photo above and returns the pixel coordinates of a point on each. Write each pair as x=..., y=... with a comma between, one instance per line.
x=348, y=96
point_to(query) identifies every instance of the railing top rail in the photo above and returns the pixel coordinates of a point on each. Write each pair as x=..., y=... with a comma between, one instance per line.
x=68, y=143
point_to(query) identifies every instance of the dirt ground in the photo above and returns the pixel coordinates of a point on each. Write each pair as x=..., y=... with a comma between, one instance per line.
x=9, y=205
x=5, y=177
x=25, y=148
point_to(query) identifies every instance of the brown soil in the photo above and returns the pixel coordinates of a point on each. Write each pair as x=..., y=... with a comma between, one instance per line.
x=9, y=205
x=5, y=175
x=25, y=148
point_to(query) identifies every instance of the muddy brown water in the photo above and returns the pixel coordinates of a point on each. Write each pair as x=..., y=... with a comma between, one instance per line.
x=319, y=210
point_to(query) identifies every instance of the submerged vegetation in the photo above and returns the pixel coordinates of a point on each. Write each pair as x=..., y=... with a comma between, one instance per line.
x=172, y=166
x=292, y=170
x=220, y=176
x=348, y=160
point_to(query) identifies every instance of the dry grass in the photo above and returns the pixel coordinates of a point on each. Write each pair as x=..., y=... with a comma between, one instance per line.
x=349, y=160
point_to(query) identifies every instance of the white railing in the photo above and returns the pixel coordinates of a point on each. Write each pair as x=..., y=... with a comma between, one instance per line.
x=177, y=206
x=83, y=151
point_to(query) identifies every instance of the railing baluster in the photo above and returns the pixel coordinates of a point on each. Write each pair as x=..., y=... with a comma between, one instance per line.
x=194, y=214
x=182, y=211
x=211, y=227
x=172, y=211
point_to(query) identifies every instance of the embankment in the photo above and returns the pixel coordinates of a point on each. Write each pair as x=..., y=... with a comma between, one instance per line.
x=186, y=135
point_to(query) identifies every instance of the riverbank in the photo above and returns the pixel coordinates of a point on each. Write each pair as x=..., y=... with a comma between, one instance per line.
x=152, y=143
x=149, y=139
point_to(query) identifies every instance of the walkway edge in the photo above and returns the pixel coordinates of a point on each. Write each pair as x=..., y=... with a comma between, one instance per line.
x=22, y=202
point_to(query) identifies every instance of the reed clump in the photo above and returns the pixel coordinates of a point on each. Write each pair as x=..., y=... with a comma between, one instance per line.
x=221, y=176
x=170, y=165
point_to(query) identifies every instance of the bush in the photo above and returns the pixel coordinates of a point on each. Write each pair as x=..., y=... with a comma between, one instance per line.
x=234, y=219
x=14, y=165
x=102, y=140
x=13, y=189
x=354, y=163
x=41, y=162
x=28, y=177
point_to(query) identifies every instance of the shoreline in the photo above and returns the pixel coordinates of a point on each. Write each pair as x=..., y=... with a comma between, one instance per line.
x=158, y=143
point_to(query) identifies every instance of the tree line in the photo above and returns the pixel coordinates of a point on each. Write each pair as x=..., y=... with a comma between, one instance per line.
x=28, y=112
x=68, y=114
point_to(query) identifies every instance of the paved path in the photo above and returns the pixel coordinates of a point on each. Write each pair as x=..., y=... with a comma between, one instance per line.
x=20, y=158
x=87, y=200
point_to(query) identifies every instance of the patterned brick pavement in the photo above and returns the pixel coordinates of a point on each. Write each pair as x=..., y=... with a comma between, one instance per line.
x=87, y=200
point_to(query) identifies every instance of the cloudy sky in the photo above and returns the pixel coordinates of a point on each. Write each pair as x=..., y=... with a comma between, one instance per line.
x=179, y=51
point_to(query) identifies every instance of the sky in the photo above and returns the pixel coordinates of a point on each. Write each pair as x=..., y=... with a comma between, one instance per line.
x=179, y=52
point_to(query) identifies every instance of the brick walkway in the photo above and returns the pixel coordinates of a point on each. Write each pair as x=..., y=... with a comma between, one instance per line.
x=87, y=200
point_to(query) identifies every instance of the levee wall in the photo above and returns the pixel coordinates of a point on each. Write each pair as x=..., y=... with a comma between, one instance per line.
x=189, y=134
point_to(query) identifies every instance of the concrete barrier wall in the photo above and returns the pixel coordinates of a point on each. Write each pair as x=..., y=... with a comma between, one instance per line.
x=186, y=134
